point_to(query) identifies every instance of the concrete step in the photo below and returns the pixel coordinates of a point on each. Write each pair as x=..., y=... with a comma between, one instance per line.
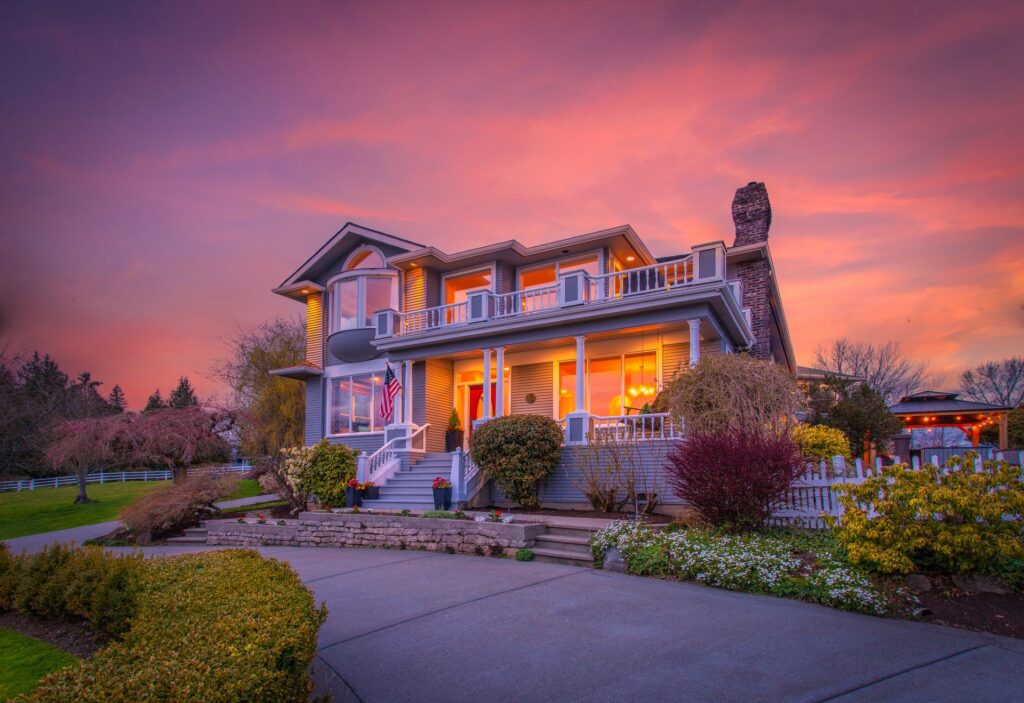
x=562, y=556
x=387, y=493
x=577, y=545
x=397, y=505
x=410, y=481
x=580, y=532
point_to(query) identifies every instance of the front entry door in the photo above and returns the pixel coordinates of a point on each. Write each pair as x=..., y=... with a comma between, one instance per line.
x=476, y=403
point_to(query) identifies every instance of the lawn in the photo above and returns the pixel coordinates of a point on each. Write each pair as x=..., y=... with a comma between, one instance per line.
x=47, y=509
x=24, y=660
x=247, y=488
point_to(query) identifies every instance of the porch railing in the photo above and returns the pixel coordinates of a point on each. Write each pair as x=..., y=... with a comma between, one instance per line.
x=371, y=467
x=647, y=279
x=433, y=318
x=525, y=301
x=639, y=428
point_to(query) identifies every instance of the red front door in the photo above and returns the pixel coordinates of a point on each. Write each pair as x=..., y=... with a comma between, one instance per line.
x=476, y=403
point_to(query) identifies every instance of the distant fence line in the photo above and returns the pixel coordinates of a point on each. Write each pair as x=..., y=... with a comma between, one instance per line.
x=813, y=497
x=30, y=484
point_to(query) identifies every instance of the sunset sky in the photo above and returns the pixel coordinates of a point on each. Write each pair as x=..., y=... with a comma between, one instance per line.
x=162, y=167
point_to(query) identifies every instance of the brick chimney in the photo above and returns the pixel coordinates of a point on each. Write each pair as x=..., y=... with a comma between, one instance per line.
x=752, y=214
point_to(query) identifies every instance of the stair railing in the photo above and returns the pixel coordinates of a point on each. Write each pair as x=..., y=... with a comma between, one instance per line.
x=377, y=467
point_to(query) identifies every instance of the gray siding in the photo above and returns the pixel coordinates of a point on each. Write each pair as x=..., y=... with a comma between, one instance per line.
x=432, y=391
x=368, y=443
x=504, y=277
x=421, y=288
x=314, y=410
x=536, y=379
x=560, y=487
x=677, y=356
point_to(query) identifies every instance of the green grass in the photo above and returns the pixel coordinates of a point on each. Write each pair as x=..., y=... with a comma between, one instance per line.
x=254, y=508
x=24, y=660
x=247, y=488
x=47, y=509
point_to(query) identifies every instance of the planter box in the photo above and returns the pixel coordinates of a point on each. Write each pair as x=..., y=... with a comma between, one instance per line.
x=443, y=498
x=353, y=497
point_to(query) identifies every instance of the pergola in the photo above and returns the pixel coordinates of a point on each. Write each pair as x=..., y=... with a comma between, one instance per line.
x=931, y=409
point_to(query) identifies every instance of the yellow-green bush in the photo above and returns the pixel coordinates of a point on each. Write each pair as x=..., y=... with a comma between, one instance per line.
x=952, y=520
x=821, y=442
x=218, y=626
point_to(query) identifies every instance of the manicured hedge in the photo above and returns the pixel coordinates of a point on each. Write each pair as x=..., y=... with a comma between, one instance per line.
x=218, y=626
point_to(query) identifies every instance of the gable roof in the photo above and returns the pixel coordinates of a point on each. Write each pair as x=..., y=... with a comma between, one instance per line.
x=337, y=243
x=939, y=402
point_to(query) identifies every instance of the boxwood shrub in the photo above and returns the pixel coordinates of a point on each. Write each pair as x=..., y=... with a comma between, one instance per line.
x=517, y=451
x=224, y=625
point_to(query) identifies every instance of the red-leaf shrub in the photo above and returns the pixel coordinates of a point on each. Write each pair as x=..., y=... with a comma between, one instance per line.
x=734, y=479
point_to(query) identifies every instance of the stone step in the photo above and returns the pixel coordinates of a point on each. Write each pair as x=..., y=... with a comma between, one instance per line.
x=580, y=532
x=397, y=505
x=577, y=545
x=562, y=556
x=188, y=539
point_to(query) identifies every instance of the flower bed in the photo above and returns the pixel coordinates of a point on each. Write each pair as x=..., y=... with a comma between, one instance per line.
x=804, y=567
x=218, y=626
x=321, y=529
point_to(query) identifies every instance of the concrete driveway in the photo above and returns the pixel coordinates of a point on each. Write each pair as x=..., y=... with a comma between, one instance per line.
x=414, y=626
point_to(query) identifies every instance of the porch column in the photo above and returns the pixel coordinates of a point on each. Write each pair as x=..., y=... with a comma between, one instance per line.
x=499, y=392
x=407, y=394
x=487, y=384
x=694, y=341
x=581, y=374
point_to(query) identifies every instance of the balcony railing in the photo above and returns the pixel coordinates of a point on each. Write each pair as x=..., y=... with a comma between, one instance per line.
x=705, y=265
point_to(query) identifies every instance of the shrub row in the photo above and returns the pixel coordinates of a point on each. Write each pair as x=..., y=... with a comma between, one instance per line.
x=217, y=626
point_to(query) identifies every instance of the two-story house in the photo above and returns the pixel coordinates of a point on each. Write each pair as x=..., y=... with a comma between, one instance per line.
x=584, y=330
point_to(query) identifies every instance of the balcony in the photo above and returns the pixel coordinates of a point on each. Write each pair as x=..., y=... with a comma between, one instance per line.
x=575, y=294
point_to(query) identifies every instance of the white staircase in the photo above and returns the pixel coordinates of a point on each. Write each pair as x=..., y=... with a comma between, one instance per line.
x=410, y=488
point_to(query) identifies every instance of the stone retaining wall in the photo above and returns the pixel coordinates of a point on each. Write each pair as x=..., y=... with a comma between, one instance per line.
x=386, y=531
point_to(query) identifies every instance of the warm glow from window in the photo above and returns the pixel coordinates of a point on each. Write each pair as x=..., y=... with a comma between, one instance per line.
x=566, y=388
x=365, y=259
x=457, y=288
x=639, y=381
x=606, y=386
x=534, y=278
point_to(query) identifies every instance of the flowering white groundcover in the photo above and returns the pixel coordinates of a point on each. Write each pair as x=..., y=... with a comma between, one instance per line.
x=754, y=563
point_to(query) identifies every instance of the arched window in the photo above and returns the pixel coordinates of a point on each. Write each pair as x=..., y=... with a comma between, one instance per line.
x=365, y=257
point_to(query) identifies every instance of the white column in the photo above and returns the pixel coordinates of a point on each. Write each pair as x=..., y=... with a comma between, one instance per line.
x=499, y=392
x=487, y=384
x=407, y=394
x=694, y=341
x=581, y=377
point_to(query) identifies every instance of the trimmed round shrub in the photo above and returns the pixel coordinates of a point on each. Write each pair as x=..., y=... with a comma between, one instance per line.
x=517, y=451
x=821, y=442
x=331, y=467
x=222, y=626
x=735, y=479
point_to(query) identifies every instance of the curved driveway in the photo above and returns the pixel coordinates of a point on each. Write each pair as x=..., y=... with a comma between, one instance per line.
x=418, y=626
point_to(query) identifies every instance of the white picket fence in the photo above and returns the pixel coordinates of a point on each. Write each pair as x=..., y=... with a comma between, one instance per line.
x=30, y=484
x=813, y=496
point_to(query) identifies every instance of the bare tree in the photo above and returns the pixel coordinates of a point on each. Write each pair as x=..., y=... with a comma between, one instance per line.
x=885, y=368
x=996, y=382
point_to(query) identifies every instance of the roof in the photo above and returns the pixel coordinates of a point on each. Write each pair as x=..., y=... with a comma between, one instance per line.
x=810, y=373
x=622, y=238
x=940, y=402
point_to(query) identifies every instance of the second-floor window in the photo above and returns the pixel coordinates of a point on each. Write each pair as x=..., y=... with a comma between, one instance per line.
x=364, y=288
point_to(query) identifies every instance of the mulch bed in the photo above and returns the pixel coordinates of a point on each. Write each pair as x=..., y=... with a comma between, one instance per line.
x=72, y=636
x=945, y=604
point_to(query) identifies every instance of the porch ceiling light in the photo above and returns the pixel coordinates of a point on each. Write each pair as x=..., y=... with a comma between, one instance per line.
x=630, y=258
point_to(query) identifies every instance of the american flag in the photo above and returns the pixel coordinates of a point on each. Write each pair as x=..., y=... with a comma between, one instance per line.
x=387, y=398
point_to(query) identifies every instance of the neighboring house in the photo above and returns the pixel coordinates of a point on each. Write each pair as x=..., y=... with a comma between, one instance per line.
x=584, y=330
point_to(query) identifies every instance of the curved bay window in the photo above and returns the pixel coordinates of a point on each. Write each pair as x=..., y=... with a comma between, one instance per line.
x=352, y=404
x=366, y=287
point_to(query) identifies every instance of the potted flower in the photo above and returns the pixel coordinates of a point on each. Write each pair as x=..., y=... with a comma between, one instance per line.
x=453, y=435
x=442, y=493
x=353, y=496
x=370, y=491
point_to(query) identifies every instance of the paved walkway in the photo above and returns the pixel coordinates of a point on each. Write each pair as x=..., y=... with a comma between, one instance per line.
x=417, y=626
x=79, y=535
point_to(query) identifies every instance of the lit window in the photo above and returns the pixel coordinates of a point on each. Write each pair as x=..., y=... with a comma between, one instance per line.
x=356, y=300
x=353, y=402
x=638, y=380
x=365, y=259
x=606, y=386
x=566, y=388
x=457, y=288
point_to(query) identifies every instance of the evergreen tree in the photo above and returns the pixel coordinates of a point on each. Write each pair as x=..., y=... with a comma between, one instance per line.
x=116, y=400
x=183, y=396
x=155, y=402
x=84, y=398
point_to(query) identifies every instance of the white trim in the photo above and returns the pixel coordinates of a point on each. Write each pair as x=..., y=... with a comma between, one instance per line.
x=352, y=229
x=359, y=250
x=359, y=276
x=374, y=415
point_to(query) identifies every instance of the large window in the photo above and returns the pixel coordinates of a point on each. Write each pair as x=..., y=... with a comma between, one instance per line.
x=357, y=299
x=616, y=385
x=458, y=287
x=353, y=402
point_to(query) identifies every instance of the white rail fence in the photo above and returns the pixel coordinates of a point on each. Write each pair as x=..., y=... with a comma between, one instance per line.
x=30, y=484
x=813, y=497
